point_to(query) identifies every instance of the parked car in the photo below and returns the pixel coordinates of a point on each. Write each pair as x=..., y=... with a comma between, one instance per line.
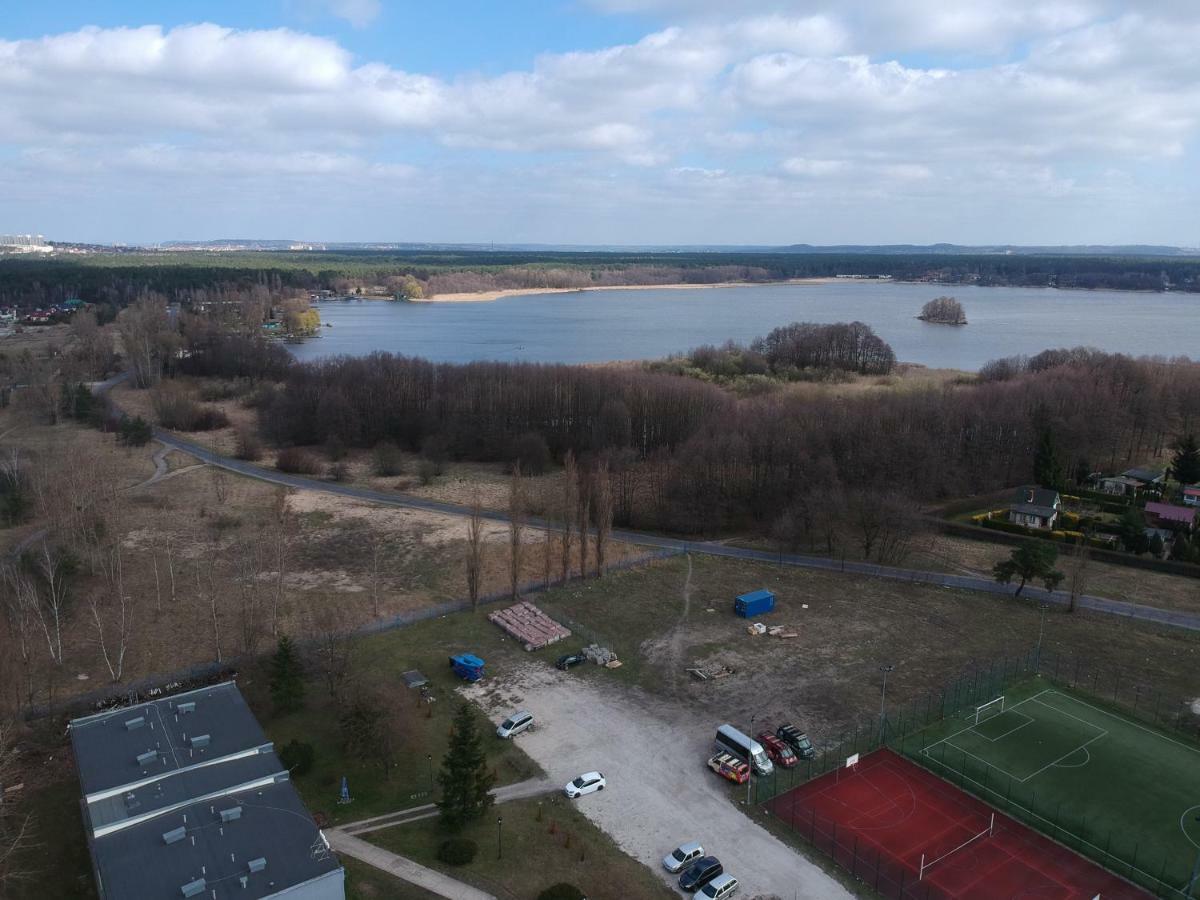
x=700, y=873
x=797, y=740
x=587, y=783
x=781, y=754
x=569, y=660
x=719, y=888
x=515, y=724
x=729, y=766
x=682, y=856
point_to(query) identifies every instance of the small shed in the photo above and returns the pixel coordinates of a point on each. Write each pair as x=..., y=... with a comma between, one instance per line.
x=754, y=603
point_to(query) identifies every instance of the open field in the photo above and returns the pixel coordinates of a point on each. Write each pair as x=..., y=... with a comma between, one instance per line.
x=1094, y=779
x=539, y=843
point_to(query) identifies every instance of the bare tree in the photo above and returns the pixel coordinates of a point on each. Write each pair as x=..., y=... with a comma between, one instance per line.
x=381, y=550
x=570, y=499
x=332, y=648
x=602, y=497
x=17, y=838
x=207, y=595
x=1081, y=557
x=20, y=599
x=54, y=567
x=113, y=620
x=248, y=577
x=284, y=525
x=583, y=515
x=474, y=551
x=516, y=528
x=147, y=336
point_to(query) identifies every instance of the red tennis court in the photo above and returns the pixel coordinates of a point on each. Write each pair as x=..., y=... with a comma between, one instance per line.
x=908, y=833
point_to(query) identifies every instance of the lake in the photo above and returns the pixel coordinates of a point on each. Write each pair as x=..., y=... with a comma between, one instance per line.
x=601, y=326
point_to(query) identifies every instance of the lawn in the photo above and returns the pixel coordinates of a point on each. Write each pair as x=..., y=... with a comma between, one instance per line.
x=539, y=843
x=1116, y=790
x=365, y=882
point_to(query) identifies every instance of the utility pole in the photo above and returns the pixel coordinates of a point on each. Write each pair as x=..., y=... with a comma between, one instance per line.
x=750, y=763
x=1041, y=633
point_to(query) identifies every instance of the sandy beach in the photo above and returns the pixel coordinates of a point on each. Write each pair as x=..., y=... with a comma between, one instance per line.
x=484, y=296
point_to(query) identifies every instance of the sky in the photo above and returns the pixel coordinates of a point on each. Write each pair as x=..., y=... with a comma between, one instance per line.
x=602, y=121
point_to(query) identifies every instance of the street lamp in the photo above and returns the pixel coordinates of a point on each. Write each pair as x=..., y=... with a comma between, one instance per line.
x=499, y=838
x=429, y=758
x=1041, y=631
x=883, y=699
x=750, y=763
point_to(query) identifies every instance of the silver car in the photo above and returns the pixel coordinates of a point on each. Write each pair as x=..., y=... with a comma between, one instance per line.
x=682, y=856
x=515, y=724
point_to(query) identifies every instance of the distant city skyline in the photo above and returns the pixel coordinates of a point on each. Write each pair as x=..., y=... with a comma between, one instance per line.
x=603, y=122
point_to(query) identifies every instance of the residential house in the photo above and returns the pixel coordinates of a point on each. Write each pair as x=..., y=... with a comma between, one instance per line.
x=1120, y=486
x=1035, y=507
x=1191, y=496
x=1168, y=515
x=1146, y=477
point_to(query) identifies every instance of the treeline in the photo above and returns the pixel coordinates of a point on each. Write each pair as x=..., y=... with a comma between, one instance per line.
x=690, y=457
x=121, y=278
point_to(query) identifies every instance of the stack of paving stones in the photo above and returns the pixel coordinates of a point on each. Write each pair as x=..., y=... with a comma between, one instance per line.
x=529, y=625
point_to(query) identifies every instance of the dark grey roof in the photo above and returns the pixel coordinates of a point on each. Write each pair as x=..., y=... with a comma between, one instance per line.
x=188, y=788
x=1147, y=476
x=1035, y=501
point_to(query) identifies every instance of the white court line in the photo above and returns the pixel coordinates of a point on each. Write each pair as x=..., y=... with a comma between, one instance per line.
x=972, y=727
x=1001, y=737
x=1121, y=719
x=1083, y=746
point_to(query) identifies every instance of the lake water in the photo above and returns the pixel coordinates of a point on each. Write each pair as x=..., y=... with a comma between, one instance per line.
x=600, y=326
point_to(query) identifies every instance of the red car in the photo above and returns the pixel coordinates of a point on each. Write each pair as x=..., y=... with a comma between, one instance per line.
x=781, y=754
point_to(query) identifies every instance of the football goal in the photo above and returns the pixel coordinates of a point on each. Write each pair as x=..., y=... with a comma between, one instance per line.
x=988, y=710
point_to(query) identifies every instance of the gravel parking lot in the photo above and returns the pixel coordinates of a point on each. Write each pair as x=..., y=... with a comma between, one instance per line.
x=659, y=792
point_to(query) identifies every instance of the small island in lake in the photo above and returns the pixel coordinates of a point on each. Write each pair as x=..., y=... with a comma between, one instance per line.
x=943, y=311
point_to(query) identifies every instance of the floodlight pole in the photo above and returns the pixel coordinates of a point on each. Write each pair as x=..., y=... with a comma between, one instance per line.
x=1041, y=633
x=429, y=758
x=883, y=699
x=499, y=838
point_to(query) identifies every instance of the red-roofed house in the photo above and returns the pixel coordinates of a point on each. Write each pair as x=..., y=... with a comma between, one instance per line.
x=1167, y=515
x=1191, y=496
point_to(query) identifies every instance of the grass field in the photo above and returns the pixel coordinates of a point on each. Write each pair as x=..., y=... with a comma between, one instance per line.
x=1112, y=788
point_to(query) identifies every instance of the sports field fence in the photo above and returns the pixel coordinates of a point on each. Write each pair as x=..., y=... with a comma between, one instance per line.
x=1126, y=691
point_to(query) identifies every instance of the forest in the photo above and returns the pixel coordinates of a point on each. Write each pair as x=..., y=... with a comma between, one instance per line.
x=188, y=277
x=693, y=458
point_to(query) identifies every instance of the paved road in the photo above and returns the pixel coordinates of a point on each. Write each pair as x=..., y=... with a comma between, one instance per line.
x=1105, y=605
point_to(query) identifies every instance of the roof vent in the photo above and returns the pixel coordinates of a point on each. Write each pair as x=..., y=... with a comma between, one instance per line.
x=144, y=759
x=193, y=888
x=229, y=815
x=131, y=801
x=131, y=724
x=175, y=835
x=257, y=865
x=184, y=708
x=200, y=740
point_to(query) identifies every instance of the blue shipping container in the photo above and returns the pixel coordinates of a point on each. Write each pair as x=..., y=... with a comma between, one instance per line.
x=754, y=603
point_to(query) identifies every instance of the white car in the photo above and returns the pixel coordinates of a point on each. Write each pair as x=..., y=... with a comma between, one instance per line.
x=587, y=783
x=682, y=857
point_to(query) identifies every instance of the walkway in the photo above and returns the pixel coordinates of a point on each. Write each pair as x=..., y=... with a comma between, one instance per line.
x=345, y=840
x=404, y=869
x=1124, y=609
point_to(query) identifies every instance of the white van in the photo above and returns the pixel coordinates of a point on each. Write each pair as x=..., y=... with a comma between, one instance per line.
x=730, y=740
x=515, y=724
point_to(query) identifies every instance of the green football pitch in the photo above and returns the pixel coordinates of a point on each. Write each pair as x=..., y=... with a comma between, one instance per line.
x=1118, y=791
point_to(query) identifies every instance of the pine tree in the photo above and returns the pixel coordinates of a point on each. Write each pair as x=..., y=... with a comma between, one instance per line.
x=287, y=677
x=1185, y=465
x=464, y=778
x=1047, y=469
x=1033, y=559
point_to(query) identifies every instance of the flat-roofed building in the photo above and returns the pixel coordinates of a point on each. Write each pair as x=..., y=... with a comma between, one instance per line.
x=185, y=797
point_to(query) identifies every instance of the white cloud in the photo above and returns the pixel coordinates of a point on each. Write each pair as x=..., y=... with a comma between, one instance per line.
x=359, y=13
x=798, y=103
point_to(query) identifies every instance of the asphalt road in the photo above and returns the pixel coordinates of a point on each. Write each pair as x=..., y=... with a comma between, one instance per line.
x=1105, y=605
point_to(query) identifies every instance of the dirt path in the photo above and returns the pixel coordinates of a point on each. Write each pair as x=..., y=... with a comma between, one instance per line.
x=673, y=644
x=659, y=792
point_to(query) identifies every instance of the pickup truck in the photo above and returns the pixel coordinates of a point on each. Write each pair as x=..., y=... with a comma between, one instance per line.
x=729, y=766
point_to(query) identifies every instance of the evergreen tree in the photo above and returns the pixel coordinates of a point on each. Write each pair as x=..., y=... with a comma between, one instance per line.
x=287, y=677
x=1047, y=469
x=465, y=780
x=1132, y=530
x=1185, y=465
x=1157, y=546
x=1033, y=559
